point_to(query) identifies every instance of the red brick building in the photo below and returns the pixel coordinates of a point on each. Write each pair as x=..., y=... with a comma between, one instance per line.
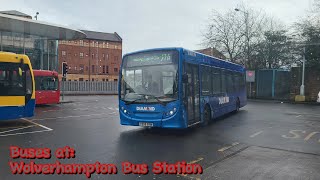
x=96, y=58
x=212, y=52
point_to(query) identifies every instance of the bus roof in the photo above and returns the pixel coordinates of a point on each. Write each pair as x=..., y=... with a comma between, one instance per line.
x=44, y=73
x=183, y=50
x=13, y=57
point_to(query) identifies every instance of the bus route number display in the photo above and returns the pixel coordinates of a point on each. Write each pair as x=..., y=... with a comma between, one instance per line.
x=149, y=59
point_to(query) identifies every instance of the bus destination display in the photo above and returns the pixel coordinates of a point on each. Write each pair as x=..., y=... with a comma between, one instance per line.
x=145, y=59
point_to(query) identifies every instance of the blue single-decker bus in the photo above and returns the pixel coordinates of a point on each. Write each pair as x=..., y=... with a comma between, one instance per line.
x=178, y=88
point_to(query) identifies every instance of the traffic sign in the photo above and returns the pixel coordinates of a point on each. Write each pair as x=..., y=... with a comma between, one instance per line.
x=250, y=76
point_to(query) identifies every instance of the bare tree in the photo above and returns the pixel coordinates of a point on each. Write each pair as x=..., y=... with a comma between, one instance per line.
x=224, y=32
x=236, y=33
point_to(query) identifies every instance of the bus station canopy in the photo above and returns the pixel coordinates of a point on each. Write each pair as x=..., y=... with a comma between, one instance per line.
x=9, y=23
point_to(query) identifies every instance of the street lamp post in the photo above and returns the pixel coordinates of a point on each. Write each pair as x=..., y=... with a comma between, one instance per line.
x=303, y=70
x=247, y=33
x=36, y=16
x=246, y=19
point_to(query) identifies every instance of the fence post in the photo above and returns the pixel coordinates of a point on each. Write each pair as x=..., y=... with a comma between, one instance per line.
x=273, y=81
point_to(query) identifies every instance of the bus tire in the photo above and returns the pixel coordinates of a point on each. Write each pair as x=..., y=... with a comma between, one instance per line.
x=237, y=105
x=206, y=116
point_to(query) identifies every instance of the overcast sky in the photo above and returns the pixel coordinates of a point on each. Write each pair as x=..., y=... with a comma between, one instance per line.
x=149, y=23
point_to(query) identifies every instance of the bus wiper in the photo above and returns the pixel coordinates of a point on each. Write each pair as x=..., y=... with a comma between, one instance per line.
x=156, y=98
x=131, y=102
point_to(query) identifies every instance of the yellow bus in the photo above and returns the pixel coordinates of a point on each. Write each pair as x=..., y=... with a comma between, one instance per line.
x=17, y=87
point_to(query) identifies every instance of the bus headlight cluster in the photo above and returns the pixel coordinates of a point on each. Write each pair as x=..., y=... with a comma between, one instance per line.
x=171, y=112
x=124, y=110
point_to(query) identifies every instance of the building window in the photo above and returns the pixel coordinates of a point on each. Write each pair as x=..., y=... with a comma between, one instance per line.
x=115, y=80
x=103, y=55
x=97, y=44
x=80, y=79
x=92, y=68
x=81, y=68
x=107, y=45
x=107, y=56
x=107, y=69
x=81, y=55
x=64, y=53
x=81, y=42
x=103, y=69
x=92, y=55
x=115, y=46
x=103, y=79
x=115, y=69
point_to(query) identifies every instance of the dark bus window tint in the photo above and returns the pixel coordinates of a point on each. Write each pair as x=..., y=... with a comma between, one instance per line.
x=11, y=80
x=216, y=81
x=29, y=85
x=223, y=81
x=44, y=83
x=229, y=82
x=206, y=80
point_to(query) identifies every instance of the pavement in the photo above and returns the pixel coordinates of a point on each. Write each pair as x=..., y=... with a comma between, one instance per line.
x=262, y=141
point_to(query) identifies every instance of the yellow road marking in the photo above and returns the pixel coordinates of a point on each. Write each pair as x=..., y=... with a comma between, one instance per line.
x=228, y=147
x=191, y=162
x=310, y=135
x=195, y=161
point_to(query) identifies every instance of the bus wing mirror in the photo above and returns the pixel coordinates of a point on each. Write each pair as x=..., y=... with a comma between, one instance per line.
x=185, y=78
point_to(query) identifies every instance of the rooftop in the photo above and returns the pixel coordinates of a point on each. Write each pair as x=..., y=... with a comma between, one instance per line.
x=16, y=13
x=102, y=36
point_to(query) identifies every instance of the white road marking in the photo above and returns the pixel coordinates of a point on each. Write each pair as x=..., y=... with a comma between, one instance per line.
x=45, y=127
x=298, y=116
x=228, y=147
x=31, y=132
x=110, y=108
x=256, y=134
x=17, y=129
x=64, y=117
x=80, y=109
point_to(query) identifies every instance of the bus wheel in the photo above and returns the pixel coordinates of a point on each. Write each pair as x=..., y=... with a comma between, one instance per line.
x=206, y=116
x=237, y=105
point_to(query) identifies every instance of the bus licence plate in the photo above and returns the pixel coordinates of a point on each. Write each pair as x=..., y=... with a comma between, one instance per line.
x=145, y=124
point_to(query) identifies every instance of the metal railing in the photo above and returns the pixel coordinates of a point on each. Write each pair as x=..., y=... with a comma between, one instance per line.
x=89, y=87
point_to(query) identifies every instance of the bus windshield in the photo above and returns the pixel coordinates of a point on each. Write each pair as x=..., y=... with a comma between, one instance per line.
x=11, y=80
x=150, y=77
x=46, y=83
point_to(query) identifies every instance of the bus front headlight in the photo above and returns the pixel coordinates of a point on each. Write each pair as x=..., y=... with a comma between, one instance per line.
x=171, y=112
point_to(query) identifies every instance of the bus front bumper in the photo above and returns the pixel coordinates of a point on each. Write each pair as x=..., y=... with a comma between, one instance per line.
x=173, y=121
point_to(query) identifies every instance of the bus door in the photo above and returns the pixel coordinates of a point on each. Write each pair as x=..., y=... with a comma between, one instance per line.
x=12, y=92
x=192, y=96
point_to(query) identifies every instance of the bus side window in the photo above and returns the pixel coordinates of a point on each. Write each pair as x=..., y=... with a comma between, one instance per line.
x=223, y=81
x=206, y=82
x=28, y=81
x=216, y=81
